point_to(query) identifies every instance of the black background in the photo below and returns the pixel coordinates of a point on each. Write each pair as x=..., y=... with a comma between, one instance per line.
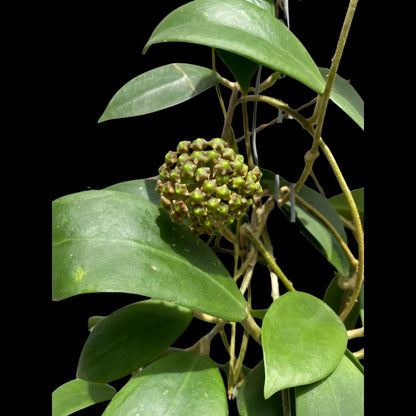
x=95, y=51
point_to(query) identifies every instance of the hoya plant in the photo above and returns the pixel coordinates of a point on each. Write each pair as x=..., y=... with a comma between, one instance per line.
x=192, y=238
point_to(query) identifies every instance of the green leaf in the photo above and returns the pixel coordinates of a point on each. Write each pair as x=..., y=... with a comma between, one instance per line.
x=79, y=394
x=333, y=297
x=158, y=89
x=144, y=188
x=242, y=68
x=242, y=28
x=181, y=384
x=340, y=394
x=345, y=96
x=303, y=341
x=130, y=338
x=264, y=4
x=250, y=399
x=340, y=204
x=316, y=231
x=109, y=241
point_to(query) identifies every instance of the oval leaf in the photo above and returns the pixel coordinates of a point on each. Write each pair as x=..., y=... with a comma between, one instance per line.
x=159, y=88
x=130, y=338
x=345, y=96
x=340, y=394
x=250, y=399
x=244, y=29
x=303, y=341
x=181, y=384
x=144, y=188
x=79, y=394
x=108, y=241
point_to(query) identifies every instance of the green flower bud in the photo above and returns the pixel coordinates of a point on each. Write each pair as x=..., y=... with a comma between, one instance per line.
x=199, y=156
x=202, y=174
x=212, y=156
x=223, y=192
x=228, y=154
x=199, y=211
x=235, y=201
x=182, y=159
x=213, y=204
x=209, y=186
x=197, y=196
x=180, y=207
x=175, y=175
x=170, y=158
x=237, y=182
x=218, y=144
x=183, y=146
x=181, y=190
x=223, y=166
x=199, y=144
x=188, y=169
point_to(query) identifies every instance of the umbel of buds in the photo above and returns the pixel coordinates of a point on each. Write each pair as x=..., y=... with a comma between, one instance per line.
x=207, y=185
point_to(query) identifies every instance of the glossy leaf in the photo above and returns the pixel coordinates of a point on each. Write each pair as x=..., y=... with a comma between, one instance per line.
x=158, y=89
x=345, y=96
x=303, y=341
x=109, y=241
x=267, y=5
x=242, y=28
x=144, y=188
x=339, y=202
x=79, y=394
x=242, y=68
x=130, y=338
x=333, y=297
x=181, y=384
x=340, y=394
x=316, y=231
x=250, y=398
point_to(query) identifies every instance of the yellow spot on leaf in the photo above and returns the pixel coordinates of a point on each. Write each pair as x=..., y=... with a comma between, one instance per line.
x=79, y=274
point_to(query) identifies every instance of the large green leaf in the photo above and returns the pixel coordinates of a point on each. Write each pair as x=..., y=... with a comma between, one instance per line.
x=110, y=241
x=303, y=341
x=130, y=338
x=250, y=398
x=242, y=28
x=316, y=231
x=159, y=88
x=79, y=394
x=340, y=394
x=181, y=384
x=345, y=96
x=145, y=188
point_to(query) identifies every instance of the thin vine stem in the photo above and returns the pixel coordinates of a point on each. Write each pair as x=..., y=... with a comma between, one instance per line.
x=322, y=102
x=267, y=256
x=358, y=230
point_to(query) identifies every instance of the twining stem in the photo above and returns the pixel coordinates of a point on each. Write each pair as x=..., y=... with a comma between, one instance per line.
x=217, y=86
x=359, y=234
x=227, y=131
x=328, y=224
x=250, y=160
x=246, y=229
x=274, y=102
x=322, y=102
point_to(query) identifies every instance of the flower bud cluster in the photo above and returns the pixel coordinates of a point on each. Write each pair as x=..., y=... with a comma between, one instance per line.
x=207, y=184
